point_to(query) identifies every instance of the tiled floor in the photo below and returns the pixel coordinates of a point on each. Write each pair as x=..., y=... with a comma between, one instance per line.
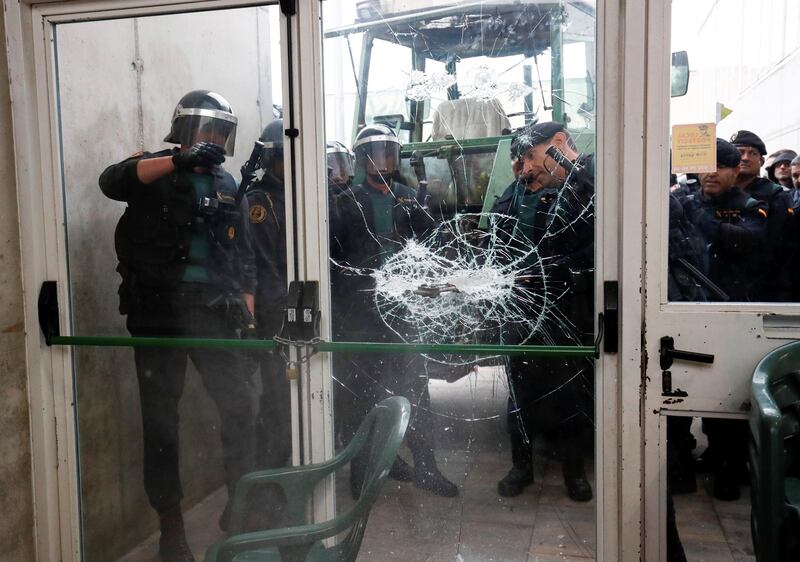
x=540, y=525
x=712, y=530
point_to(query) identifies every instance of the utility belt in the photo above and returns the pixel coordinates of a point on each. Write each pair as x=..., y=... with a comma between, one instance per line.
x=219, y=217
x=169, y=299
x=173, y=299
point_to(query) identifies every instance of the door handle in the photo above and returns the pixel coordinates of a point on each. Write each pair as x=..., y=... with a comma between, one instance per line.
x=668, y=353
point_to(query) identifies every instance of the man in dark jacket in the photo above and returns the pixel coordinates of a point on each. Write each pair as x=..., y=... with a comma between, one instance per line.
x=369, y=223
x=550, y=209
x=187, y=271
x=774, y=283
x=733, y=225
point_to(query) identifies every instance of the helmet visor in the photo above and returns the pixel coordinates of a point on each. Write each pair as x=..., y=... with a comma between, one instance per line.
x=380, y=156
x=271, y=152
x=191, y=126
x=340, y=166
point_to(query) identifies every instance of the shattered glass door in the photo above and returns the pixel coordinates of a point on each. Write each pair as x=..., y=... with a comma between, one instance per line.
x=461, y=182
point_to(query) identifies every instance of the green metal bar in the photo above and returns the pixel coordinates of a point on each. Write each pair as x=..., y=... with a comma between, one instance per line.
x=432, y=148
x=457, y=348
x=126, y=341
x=351, y=347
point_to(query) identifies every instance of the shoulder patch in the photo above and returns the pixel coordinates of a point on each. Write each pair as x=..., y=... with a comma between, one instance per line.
x=258, y=214
x=138, y=154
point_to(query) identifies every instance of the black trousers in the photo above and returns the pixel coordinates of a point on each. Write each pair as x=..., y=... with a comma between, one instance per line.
x=274, y=420
x=549, y=396
x=363, y=380
x=274, y=423
x=161, y=373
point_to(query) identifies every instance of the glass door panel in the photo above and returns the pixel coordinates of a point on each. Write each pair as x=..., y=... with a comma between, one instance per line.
x=460, y=143
x=168, y=239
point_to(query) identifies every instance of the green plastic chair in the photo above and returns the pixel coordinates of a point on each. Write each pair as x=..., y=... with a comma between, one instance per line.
x=774, y=449
x=380, y=436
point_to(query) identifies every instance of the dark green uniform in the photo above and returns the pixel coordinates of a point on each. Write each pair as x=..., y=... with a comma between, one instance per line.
x=185, y=259
x=367, y=226
x=553, y=396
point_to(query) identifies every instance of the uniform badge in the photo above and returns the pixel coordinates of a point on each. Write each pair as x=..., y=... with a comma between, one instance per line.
x=257, y=214
x=231, y=233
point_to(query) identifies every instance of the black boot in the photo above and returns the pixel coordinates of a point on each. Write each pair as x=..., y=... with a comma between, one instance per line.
x=172, y=545
x=427, y=477
x=426, y=474
x=401, y=471
x=726, y=481
x=517, y=479
x=578, y=487
x=225, y=517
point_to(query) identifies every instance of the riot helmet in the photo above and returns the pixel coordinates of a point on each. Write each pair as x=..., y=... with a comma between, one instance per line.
x=203, y=116
x=272, y=139
x=377, y=152
x=340, y=164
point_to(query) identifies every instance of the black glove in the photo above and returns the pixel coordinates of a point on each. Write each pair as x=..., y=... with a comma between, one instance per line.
x=199, y=155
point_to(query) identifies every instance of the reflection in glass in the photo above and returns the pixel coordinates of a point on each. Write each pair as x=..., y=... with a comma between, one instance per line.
x=468, y=219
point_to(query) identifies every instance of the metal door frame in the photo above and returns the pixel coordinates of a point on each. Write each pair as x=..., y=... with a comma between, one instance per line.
x=620, y=84
x=28, y=28
x=745, y=315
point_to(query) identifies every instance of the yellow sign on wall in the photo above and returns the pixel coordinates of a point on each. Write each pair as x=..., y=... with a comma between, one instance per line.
x=694, y=148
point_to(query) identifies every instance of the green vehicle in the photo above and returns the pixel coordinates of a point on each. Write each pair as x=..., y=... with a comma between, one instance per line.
x=415, y=67
x=502, y=64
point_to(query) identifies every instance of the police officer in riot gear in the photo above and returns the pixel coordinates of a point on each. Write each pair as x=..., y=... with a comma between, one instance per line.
x=266, y=200
x=187, y=270
x=369, y=223
x=551, y=209
x=340, y=167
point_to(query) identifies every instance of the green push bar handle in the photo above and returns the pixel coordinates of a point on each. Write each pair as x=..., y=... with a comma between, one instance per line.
x=328, y=346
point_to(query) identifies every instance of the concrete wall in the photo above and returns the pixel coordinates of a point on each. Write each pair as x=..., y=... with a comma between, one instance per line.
x=142, y=68
x=16, y=498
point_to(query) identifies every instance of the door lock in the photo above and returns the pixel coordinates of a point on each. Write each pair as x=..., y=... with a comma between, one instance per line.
x=668, y=353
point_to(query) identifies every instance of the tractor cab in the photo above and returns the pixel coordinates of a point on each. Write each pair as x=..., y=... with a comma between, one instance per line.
x=455, y=80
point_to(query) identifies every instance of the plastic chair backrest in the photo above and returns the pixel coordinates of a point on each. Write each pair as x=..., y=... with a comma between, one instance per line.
x=381, y=433
x=775, y=393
